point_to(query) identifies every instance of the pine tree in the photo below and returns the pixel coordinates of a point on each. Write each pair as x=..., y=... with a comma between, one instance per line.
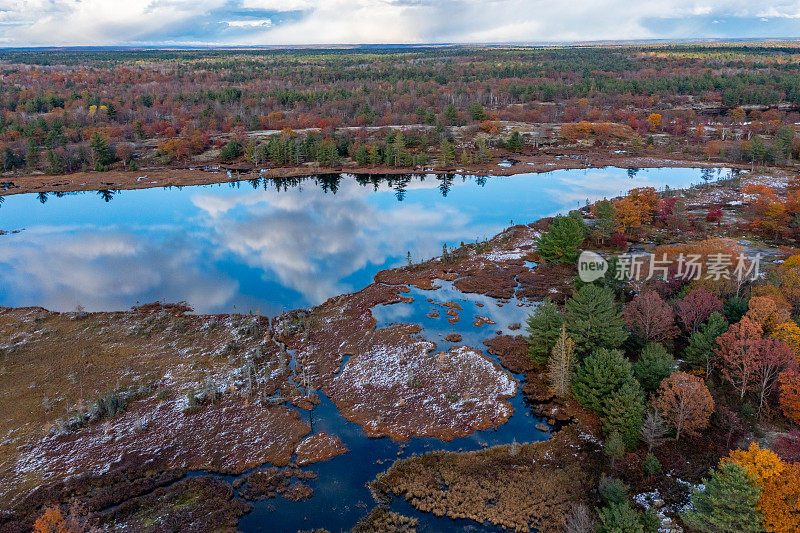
x=593, y=319
x=447, y=151
x=598, y=376
x=561, y=364
x=604, y=219
x=728, y=503
x=653, y=365
x=543, y=330
x=101, y=152
x=560, y=243
x=700, y=351
x=623, y=411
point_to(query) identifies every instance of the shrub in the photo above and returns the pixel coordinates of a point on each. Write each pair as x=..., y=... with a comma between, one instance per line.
x=651, y=466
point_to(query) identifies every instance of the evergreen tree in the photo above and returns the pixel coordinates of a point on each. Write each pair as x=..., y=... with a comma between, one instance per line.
x=700, y=351
x=623, y=411
x=728, y=503
x=515, y=142
x=451, y=113
x=654, y=364
x=544, y=325
x=651, y=465
x=598, y=376
x=734, y=309
x=447, y=152
x=604, y=219
x=593, y=319
x=560, y=243
x=620, y=518
x=101, y=152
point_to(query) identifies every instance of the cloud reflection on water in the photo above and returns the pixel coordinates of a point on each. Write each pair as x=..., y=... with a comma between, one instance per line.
x=223, y=248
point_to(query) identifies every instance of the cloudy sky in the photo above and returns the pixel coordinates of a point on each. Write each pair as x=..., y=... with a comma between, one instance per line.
x=284, y=22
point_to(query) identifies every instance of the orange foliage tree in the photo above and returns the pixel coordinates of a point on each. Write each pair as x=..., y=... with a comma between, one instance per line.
x=655, y=121
x=52, y=521
x=685, y=403
x=765, y=312
x=779, y=481
x=780, y=501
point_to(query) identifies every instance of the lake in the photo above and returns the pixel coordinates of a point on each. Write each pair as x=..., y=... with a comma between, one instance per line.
x=271, y=245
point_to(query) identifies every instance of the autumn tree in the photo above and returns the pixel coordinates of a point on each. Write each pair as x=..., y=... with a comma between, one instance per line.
x=695, y=308
x=654, y=120
x=561, y=363
x=543, y=327
x=685, y=403
x=735, y=354
x=780, y=501
x=561, y=241
x=765, y=312
x=761, y=464
x=727, y=502
x=772, y=357
x=649, y=317
x=52, y=521
x=593, y=319
x=789, y=333
x=789, y=397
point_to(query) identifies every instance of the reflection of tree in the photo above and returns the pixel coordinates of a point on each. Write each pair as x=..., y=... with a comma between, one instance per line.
x=707, y=173
x=399, y=186
x=632, y=172
x=446, y=183
x=329, y=182
x=42, y=196
x=106, y=194
x=480, y=180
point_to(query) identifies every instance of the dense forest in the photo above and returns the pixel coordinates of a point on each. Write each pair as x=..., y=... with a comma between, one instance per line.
x=64, y=111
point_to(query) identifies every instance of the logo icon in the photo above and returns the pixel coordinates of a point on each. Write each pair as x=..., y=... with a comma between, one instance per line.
x=591, y=266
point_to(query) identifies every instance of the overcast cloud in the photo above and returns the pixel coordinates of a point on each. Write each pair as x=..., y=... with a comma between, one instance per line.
x=273, y=22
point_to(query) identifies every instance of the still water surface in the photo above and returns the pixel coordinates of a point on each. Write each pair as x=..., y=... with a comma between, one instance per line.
x=271, y=245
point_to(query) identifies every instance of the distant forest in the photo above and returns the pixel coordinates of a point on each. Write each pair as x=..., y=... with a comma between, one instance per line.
x=63, y=111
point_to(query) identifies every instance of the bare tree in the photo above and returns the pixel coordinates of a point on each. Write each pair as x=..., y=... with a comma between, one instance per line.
x=654, y=430
x=579, y=519
x=561, y=363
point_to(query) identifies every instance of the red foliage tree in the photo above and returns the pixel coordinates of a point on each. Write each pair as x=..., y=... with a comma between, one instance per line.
x=789, y=398
x=735, y=354
x=685, y=403
x=714, y=214
x=772, y=357
x=695, y=309
x=650, y=317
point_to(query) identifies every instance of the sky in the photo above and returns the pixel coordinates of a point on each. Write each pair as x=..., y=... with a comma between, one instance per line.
x=299, y=22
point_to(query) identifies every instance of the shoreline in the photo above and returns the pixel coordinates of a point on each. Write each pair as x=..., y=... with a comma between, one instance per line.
x=179, y=177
